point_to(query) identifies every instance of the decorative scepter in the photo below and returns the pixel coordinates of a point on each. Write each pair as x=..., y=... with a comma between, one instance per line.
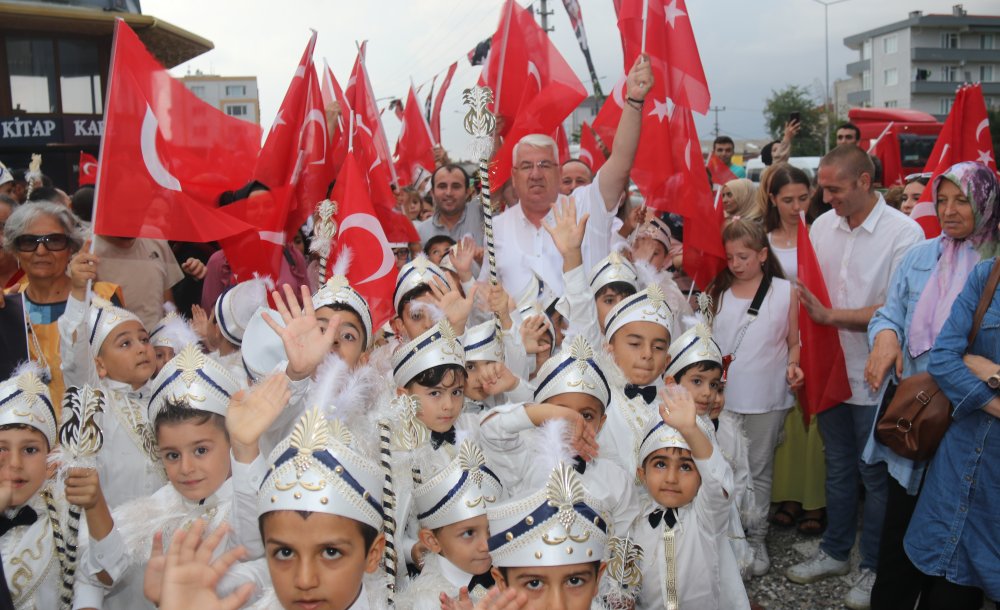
x=480, y=124
x=34, y=172
x=324, y=231
x=80, y=438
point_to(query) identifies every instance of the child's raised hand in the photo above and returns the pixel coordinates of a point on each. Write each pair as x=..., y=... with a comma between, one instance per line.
x=677, y=408
x=306, y=345
x=497, y=378
x=499, y=303
x=462, y=255
x=82, y=269
x=83, y=488
x=455, y=307
x=190, y=576
x=533, y=335
x=582, y=437
x=152, y=582
x=199, y=322
x=251, y=412
x=495, y=599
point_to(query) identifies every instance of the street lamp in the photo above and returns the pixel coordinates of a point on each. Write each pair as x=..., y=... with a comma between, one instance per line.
x=826, y=94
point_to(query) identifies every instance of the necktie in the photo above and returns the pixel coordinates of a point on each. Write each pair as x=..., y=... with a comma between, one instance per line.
x=25, y=516
x=484, y=580
x=439, y=438
x=579, y=465
x=665, y=515
x=648, y=392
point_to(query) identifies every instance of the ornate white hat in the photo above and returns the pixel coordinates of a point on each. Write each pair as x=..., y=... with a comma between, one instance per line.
x=555, y=526
x=656, y=229
x=414, y=273
x=24, y=399
x=158, y=337
x=5, y=174
x=574, y=369
x=658, y=435
x=648, y=305
x=482, y=342
x=237, y=304
x=264, y=350
x=614, y=268
x=536, y=309
x=436, y=346
x=694, y=345
x=537, y=291
x=196, y=379
x=460, y=491
x=315, y=469
x=172, y=331
x=104, y=317
x=446, y=263
x=338, y=290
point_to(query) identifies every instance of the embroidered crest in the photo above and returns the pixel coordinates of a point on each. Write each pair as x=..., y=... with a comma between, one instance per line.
x=189, y=362
x=479, y=121
x=80, y=435
x=309, y=436
x=625, y=558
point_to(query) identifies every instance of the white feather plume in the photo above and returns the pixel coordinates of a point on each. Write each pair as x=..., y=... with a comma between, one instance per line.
x=552, y=445
x=179, y=332
x=28, y=366
x=343, y=263
x=330, y=375
x=429, y=309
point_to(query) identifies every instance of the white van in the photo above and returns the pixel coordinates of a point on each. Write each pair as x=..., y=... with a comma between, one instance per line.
x=810, y=165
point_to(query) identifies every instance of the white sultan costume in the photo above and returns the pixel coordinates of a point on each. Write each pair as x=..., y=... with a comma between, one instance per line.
x=198, y=382
x=234, y=310
x=31, y=563
x=463, y=490
x=128, y=463
x=482, y=344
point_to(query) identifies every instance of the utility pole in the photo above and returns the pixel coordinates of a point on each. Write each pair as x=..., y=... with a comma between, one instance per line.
x=544, y=11
x=717, y=110
x=826, y=92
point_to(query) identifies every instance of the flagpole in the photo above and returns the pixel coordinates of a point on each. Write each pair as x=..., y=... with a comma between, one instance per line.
x=880, y=136
x=645, y=16
x=350, y=134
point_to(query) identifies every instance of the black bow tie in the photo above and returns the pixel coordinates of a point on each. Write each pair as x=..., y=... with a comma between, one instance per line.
x=648, y=392
x=439, y=438
x=579, y=465
x=662, y=515
x=25, y=516
x=484, y=580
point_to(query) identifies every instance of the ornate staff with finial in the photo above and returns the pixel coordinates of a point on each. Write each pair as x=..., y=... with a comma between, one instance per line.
x=480, y=124
x=324, y=231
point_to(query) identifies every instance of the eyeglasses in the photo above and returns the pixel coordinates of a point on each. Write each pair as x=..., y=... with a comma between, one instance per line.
x=54, y=242
x=544, y=166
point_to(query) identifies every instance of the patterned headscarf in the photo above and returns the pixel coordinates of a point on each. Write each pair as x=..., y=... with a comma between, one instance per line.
x=979, y=183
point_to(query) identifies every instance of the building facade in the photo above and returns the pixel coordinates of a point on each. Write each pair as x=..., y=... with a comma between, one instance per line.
x=235, y=95
x=54, y=59
x=919, y=62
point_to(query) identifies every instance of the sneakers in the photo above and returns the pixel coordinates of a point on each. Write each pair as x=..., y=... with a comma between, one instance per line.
x=818, y=567
x=761, y=562
x=859, y=597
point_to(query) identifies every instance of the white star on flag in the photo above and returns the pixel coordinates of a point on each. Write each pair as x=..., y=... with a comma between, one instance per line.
x=278, y=121
x=985, y=157
x=659, y=110
x=672, y=12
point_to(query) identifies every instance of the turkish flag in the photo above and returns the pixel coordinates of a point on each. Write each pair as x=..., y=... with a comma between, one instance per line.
x=370, y=144
x=822, y=357
x=331, y=92
x=964, y=137
x=689, y=194
x=590, y=152
x=373, y=266
x=562, y=144
x=606, y=122
x=721, y=174
x=671, y=47
x=439, y=102
x=165, y=154
x=414, y=148
x=886, y=148
x=534, y=88
x=88, y=169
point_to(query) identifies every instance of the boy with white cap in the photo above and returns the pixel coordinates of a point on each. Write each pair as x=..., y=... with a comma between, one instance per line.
x=423, y=295
x=230, y=316
x=451, y=509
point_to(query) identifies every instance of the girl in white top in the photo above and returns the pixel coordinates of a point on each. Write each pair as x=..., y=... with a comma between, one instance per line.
x=764, y=347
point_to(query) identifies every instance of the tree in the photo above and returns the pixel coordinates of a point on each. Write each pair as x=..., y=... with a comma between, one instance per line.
x=782, y=104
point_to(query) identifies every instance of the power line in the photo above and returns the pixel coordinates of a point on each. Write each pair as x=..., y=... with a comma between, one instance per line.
x=717, y=110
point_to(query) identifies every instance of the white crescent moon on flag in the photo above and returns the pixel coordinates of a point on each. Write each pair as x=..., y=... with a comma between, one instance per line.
x=983, y=125
x=687, y=155
x=533, y=71
x=150, y=156
x=367, y=222
x=89, y=168
x=586, y=156
x=617, y=93
x=316, y=116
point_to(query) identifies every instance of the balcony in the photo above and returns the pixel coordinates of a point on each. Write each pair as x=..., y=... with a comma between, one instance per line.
x=855, y=68
x=955, y=55
x=948, y=88
x=859, y=98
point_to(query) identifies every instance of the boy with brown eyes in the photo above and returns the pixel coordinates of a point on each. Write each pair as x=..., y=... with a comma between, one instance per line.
x=422, y=296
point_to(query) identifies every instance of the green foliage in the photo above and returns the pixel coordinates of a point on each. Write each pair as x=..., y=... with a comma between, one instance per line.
x=794, y=98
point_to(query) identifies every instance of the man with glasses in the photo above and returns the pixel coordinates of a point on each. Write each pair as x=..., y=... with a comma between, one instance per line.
x=523, y=245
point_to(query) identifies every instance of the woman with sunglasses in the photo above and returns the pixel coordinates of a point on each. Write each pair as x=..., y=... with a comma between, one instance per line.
x=44, y=236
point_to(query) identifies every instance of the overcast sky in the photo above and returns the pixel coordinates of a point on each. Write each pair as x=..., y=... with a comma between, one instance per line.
x=748, y=47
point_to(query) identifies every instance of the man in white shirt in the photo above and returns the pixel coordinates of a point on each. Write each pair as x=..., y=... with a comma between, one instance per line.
x=858, y=244
x=523, y=245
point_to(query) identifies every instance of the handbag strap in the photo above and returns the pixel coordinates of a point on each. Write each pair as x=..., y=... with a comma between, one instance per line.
x=985, y=299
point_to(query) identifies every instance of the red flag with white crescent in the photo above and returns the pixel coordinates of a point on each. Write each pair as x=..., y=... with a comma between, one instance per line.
x=590, y=152
x=414, y=149
x=88, y=169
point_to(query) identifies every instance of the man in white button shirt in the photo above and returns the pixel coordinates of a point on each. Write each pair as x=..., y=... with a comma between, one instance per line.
x=522, y=243
x=858, y=244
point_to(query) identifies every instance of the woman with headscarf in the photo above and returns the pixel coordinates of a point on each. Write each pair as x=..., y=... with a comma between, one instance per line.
x=921, y=295
x=739, y=198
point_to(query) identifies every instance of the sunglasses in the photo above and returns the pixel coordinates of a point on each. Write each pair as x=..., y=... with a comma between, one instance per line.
x=54, y=242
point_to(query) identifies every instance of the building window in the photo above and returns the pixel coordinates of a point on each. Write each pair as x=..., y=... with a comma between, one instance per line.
x=891, y=104
x=866, y=49
x=890, y=77
x=986, y=74
x=236, y=90
x=949, y=40
x=946, y=105
x=866, y=80
x=890, y=44
x=238, y=110
x=80, y=77
x=198, y=90
x=32, y=66
x=987, y=42
x=949, y=74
